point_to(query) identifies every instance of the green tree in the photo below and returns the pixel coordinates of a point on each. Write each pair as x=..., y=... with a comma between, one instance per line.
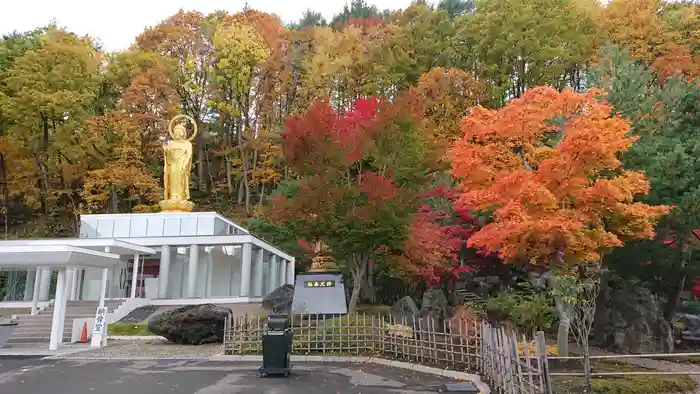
x=665, y=122
x=47, y=93
x=516, y=45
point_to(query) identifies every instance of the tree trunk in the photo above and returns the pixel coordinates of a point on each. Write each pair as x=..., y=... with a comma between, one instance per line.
x=673, y=298
x=201, y=180
x=229, y=181
x=587, y=364
x=601, y=315
x=114, y=201
x=357, y=273
x=5, y=195
x=564, y=312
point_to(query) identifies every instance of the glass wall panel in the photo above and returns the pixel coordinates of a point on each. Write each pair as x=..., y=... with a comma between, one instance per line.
x=220, y=227
x=205, y=226
x=224, y=270
x=188, y=226
x=179, y=264
x=203, y=273
x=155, y=227
x=88, y=228
x=105, y=227
x=121, y=228
x=266, y=273
x=139, y=225
x=172, y=227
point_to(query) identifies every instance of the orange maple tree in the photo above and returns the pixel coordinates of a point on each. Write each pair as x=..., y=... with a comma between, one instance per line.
x=547, y=167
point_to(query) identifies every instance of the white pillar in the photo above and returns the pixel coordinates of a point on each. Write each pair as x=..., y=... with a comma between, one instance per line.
x=74, y=284
x=192, y=272
x=103, y=286
x=134, y=276
x=69, y=281
x=66, y=293
x=37, y=288
x=290, y=272
x=164, y=273
x=258, y=273
x=246, y=258
x=283, y=272
x=78, y=284
x=58, y=306
x=29, y=285
x=45, y=284
x=272, y=273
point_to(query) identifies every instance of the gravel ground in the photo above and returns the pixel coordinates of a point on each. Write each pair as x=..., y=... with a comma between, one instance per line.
x=152, y=348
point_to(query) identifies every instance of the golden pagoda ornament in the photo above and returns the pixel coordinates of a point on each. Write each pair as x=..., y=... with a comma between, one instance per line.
x=178, y=165
x=322, y=262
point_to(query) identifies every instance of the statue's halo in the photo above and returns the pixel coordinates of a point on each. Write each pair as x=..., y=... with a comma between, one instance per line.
x=178, y=117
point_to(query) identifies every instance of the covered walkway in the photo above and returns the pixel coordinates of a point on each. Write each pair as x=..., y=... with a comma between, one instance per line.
x=65, y=256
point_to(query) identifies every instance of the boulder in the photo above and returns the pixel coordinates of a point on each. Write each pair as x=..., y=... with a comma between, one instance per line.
x=404, y=310
x=686, y=330
x=434, y=304
x=279, y=302
x=631, y=319
x=434, y=310
x=191, y=324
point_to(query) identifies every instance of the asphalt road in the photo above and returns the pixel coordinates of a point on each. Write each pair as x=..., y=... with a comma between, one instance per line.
x=204, y=377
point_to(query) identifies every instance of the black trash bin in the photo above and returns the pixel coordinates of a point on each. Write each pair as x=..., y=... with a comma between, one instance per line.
x=277, y=346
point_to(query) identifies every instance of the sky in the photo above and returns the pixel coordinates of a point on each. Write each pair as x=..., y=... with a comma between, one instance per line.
x=117, y=22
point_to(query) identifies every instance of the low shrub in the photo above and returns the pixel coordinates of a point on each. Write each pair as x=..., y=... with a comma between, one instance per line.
x=529, y=312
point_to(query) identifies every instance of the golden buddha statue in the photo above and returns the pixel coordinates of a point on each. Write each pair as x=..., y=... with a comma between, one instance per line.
x=178, y=165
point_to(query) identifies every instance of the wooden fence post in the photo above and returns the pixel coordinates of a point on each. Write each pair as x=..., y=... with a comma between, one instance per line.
x=541, y=344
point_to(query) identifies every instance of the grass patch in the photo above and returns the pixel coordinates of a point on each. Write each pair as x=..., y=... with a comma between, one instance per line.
x=373, y=310
x=128, y=329
x=631, y=384
x=680, y=359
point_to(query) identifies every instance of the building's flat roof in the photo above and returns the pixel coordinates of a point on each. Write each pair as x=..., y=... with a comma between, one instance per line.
x=38, y=255
x=164, y=214
x=114, y=246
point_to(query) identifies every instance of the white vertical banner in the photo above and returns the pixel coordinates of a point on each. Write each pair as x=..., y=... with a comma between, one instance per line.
x=99, y=329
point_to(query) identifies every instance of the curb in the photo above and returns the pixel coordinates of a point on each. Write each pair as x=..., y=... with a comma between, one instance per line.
x=128, y=358
x=135, y=338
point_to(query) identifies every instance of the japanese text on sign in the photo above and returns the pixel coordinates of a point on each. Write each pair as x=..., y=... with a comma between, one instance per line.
x=100, y=320
x=319, y=283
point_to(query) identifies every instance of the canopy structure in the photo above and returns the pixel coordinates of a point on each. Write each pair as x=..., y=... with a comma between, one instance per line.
x=164, y=258
x=64, y=254
x=113, y=247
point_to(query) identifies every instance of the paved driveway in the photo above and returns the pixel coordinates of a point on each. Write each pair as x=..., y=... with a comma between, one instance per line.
x=204, y=377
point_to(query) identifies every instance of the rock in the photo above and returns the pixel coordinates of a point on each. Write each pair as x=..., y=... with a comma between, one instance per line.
x=632, y=320
x=404, y=309
x=687, y=322
x=434, y=311
x=686, y=330
x=191, y=324
x=434, y=304
x=139, y=315
x=279, y=302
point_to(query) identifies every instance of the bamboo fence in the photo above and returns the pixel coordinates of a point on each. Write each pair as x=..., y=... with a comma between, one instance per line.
x=508, y=363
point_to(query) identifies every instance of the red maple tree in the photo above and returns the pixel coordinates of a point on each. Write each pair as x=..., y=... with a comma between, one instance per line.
x=546, y=166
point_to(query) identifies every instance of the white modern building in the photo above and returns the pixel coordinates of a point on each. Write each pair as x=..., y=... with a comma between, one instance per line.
x=162, y=258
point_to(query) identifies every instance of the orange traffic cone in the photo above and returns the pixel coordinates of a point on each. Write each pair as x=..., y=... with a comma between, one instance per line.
x=83, y=336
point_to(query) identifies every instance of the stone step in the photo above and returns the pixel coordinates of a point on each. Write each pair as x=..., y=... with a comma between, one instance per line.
x=37, y=328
